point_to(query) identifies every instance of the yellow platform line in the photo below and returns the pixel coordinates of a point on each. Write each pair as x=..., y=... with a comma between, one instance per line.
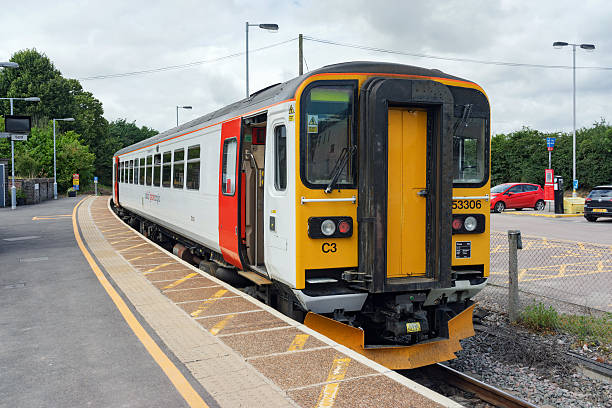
x=172, y=372
x=132, y=247
x=221, y=325
x=159, y=266
x=178, y=282
x=206, y=304
x=328, y=394
x=298, y=342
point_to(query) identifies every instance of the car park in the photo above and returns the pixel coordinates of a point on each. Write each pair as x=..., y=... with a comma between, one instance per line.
x=517, y=196
x=598, y=203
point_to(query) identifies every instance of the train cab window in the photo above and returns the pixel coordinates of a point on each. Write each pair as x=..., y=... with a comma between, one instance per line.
x=156, y=169
x=470, y=138
x=166, y=169
x=280, y=158
x=178, y=174
x=193, y=167
x=149, y=175
x=327, y=136
x=131, y=172
x=141, y=173
x=228, y=173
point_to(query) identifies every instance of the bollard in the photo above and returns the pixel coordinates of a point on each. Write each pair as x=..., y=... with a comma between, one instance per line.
x=514, y=244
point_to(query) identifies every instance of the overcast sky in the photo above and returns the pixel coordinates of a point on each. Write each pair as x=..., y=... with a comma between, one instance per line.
x=90, y=38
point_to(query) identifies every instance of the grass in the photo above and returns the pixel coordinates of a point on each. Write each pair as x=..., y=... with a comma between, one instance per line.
x=589, y=328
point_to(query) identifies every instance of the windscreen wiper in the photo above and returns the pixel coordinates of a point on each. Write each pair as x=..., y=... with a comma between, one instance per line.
x=467, y=112
x=345, y=155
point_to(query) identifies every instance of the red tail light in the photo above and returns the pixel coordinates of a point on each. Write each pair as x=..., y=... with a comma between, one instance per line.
x=344, y=227
x=588, y=199
x=457, y=224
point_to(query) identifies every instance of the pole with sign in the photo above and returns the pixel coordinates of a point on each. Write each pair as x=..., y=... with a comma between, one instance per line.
x=75, y=181
x=550, y=145
x=96, y=185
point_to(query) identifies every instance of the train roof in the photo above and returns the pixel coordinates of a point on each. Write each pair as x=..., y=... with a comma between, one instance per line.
x=283, y=91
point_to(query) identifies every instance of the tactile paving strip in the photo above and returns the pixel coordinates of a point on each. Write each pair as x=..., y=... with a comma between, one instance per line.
x=243, y=352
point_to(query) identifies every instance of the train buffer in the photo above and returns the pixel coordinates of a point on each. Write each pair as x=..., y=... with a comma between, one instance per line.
x=207, y=335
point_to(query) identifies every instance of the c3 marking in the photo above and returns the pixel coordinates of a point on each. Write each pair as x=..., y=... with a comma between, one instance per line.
x=328, y=247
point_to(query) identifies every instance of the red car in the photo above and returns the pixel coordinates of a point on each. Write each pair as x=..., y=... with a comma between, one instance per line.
x=517, y=196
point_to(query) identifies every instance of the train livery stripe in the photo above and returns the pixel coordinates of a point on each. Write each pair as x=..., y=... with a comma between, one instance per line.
x=172, y=372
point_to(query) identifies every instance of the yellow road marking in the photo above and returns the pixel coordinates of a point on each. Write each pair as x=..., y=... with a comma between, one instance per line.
x=119, y=234
x=172, y=372
x=159, y=267
x=221, y=325
x=298, y=342
x=328, y=394
x=206, y=304
x=133, y=259
x=122, y=239
x=183, y=279
x=50, y=217
x=135, y=246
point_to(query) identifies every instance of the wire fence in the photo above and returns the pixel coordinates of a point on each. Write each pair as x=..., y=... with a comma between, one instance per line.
x=572, y=277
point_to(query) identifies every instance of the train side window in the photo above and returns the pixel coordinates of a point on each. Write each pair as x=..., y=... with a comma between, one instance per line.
x=193, y=167
x=149, y=175
x=178, y=175
x=166, y=169
x=135, y=179
x=228, y=186
x=119, y=172
x=280, y=158
x=131, y=172
x=156, y=169
x=141, y=173
x=123, y=172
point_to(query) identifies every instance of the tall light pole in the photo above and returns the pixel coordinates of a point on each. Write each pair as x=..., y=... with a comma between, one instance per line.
x=272, y=27
x=588, y=47
x=54, y=165
x=13, y=188
x=182, y=107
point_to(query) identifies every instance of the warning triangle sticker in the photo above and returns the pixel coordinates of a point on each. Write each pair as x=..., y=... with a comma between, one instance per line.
x=291, y=111
x=312, y=121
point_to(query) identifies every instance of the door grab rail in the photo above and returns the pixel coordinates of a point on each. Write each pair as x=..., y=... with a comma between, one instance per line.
x=352, y=199
x=484, y=197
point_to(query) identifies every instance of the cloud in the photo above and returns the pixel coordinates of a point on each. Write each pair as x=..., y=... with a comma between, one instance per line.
x=92, y=38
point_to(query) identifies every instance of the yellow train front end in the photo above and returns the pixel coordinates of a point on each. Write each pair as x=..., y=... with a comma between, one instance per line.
x=392, y=220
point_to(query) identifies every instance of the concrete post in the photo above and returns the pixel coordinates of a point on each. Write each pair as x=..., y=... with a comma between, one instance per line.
x=514, y=237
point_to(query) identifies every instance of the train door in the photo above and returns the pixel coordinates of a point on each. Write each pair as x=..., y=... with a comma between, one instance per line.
x=116, y=179
x=279, y=224
x=229, y=192
x=407, y=197
x=253, y=164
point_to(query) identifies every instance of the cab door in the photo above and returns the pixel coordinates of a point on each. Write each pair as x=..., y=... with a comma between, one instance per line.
x=407, y=195
x=229, y=192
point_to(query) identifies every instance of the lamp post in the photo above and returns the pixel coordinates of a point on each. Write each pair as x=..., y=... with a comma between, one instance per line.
x=54, y=162
x=272, y=27
x=588, y=47
x=182, y=107
x=13, y=188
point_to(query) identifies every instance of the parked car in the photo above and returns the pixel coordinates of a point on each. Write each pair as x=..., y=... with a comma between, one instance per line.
x=598, y=203
x=517, y=196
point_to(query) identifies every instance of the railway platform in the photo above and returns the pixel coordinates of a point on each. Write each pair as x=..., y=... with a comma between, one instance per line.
x=209, y=343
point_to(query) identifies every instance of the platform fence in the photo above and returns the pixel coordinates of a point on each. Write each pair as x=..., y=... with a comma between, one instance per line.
x=572, y=277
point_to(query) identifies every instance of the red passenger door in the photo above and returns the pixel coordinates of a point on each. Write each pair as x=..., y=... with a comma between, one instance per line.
x=229, y=192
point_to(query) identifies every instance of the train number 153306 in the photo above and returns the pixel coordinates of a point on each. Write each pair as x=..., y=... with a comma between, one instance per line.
x=466, y=204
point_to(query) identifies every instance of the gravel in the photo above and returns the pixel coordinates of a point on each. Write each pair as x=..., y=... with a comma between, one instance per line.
x=531, y=366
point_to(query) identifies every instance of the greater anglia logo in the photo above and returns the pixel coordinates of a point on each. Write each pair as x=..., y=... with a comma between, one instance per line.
x=152, y=197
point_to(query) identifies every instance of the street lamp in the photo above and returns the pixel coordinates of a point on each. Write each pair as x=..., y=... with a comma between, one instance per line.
x=13, y=188
x=588, y=47
x=271, y=27
x=54, y=166
x=182, y=107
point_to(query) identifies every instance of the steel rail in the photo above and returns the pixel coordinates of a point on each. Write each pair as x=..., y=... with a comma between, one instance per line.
x=484, y=391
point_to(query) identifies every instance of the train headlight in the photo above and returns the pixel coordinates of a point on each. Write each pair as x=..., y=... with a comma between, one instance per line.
x=328, y=227
x=470, y=224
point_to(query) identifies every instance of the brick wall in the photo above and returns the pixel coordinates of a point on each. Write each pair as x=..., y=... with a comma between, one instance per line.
x=36, y=190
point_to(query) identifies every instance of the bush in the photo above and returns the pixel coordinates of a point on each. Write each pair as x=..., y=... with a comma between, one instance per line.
x=539, y=317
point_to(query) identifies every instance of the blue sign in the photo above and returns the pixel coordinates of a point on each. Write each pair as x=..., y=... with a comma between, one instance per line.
x=575, y=184
x=76, y=187
x=550, y=142
x=95, y=179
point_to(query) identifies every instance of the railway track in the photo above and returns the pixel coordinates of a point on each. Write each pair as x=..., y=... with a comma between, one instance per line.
x=441, y=373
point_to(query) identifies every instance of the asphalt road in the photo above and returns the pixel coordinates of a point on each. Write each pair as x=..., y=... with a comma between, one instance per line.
x=62, y=341
x=571, y=228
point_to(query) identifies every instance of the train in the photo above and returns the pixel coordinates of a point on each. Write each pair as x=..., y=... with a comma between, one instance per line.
x=353, y=198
